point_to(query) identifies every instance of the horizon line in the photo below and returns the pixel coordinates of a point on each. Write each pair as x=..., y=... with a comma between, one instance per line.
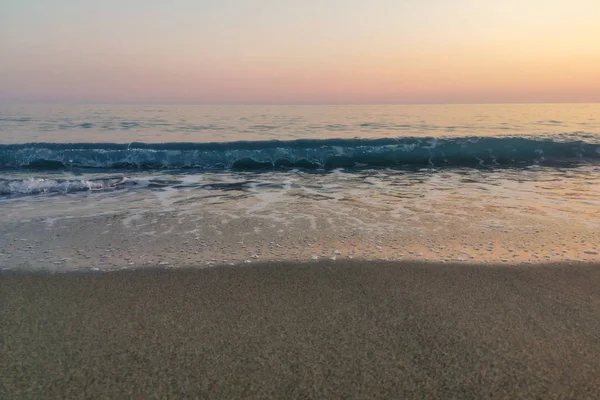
x=267, y=104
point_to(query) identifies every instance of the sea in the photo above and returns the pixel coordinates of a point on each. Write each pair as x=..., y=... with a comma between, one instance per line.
x=106, y=187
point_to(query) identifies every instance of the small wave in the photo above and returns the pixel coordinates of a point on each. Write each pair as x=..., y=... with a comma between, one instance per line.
x=308, y=154
x=33, y=186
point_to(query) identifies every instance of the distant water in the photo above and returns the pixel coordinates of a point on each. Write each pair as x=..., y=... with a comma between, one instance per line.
x=259, y=138
x=72, y=141
x=201, y=124
x=419, y=162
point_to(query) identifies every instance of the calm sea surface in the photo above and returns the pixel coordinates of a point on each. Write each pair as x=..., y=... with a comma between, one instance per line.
x=159, y=124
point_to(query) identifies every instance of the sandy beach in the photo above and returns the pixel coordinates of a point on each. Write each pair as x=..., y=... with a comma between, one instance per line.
x=316, y=330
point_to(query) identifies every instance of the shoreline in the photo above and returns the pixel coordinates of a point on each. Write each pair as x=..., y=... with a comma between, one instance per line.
x=344, y=329
x=212, y=219
x=325, y=261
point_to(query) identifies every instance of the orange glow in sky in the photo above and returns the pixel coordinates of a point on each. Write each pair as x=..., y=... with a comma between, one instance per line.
x=334, y=51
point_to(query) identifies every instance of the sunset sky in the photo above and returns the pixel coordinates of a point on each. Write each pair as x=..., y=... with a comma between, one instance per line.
x=283, y=51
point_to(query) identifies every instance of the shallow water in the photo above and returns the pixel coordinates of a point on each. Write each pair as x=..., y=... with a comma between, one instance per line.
x=514, y=183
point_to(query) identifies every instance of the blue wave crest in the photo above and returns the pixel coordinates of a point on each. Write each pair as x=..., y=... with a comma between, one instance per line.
x=310, y=154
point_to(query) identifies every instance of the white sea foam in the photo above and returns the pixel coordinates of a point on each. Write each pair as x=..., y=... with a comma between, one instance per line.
x=42, y=185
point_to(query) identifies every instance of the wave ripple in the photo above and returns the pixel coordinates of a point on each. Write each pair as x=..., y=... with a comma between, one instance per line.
x=307, y=154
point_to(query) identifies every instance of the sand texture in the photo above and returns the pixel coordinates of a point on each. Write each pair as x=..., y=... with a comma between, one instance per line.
x=320, y=330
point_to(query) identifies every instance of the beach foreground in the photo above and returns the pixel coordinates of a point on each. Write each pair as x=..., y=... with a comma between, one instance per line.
x=316, y=330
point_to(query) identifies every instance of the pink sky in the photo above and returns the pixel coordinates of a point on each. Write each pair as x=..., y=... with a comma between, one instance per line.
x=265, y=51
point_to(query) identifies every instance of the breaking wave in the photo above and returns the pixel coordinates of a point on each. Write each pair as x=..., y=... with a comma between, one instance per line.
x=309, y=154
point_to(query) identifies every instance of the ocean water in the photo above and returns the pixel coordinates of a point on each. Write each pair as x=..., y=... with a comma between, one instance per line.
x=436, y=182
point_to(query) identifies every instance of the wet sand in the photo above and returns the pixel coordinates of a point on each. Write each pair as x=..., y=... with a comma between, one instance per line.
x=346, y=329
x=505, y=217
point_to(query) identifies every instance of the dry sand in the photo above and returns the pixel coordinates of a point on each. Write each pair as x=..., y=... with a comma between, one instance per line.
x=318, y=330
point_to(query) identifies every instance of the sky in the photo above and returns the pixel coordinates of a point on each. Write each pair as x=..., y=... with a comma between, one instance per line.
x=300, y=52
